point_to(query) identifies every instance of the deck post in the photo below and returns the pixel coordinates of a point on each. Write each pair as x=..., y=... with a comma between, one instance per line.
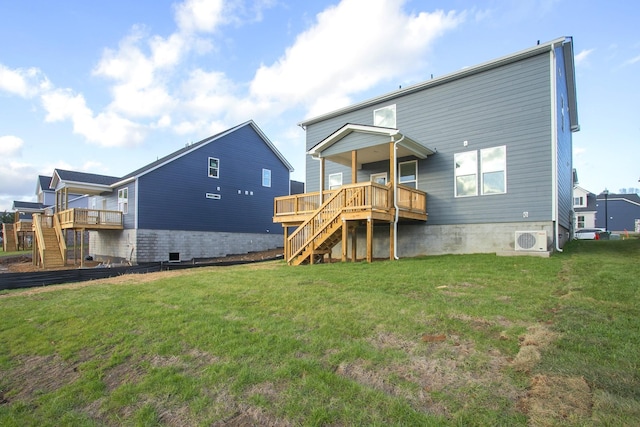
x=345, y=239
x=82, y=248
x=354, y=244
x=369, y=240
x=392, y=247
x=286, y=243
x=354, y=166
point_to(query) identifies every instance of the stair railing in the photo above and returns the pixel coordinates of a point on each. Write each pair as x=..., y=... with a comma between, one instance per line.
x=37, y=230
x=62, y=244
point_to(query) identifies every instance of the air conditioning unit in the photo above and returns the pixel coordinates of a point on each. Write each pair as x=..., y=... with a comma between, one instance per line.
x=533, y=241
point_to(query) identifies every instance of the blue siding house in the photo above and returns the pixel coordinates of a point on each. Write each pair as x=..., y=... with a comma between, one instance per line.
x=618, y=213
x=479, y=160
x=210, y=198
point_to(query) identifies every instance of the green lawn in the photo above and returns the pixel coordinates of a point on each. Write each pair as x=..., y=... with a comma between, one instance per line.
x=446, y=340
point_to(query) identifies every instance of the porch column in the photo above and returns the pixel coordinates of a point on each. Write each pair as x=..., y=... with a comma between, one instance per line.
x=321, y=180
x=354, y=166
x=369, y=240
x=392, y=164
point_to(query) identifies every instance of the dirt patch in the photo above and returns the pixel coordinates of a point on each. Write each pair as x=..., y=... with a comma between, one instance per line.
x=554, y=400
x=536, y=339
x=432, y=367
x=37, y=375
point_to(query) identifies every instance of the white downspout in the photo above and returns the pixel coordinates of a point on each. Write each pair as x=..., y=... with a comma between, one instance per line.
x=554, y=148
x=395, y=198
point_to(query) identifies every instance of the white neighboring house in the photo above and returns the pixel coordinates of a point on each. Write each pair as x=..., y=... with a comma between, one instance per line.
x=584, y=208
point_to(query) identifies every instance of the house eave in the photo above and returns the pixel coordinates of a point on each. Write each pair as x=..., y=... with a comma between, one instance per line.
x=527, y=53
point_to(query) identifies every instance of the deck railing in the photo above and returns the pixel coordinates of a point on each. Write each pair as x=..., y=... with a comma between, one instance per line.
x=81, y=217
x=375, y=197
x=350, y=198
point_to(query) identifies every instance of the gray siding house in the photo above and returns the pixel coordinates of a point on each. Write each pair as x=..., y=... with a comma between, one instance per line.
x=489, y=147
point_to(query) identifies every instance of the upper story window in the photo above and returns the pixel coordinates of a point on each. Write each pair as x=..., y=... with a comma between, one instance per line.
x=408, y=173
x=123, y=200
x=385, y=116
x=266, y=177
x=335, y=181
x=494, y=170
x=214, y=167
x=578, y=201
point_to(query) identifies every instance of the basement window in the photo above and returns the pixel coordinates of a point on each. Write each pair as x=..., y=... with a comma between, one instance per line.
x=174, y=256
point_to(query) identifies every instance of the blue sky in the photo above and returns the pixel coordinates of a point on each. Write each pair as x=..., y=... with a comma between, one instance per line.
x=109, y=86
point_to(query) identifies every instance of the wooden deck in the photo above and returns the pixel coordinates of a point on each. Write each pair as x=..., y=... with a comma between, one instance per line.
x=368, y=199
x=323, y=222
x=90, y=219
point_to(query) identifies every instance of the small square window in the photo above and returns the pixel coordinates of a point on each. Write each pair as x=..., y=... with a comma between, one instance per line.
x=335, y=181
x=385, y=116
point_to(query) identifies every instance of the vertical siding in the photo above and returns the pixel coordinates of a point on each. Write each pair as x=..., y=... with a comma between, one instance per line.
x=509, y=105
x=172, y=197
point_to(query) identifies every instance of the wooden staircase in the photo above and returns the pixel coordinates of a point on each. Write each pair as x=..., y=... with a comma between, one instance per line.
x=9, y=242
x=319, y=234
x=48, y=245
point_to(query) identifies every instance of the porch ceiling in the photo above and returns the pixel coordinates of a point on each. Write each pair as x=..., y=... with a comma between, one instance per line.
x=369, y=153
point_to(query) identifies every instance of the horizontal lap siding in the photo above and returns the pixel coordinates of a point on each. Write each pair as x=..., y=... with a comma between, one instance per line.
x=508, y=105
x=173, y=196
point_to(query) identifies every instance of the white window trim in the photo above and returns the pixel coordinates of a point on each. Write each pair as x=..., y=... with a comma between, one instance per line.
x=123, y=202
x=263, y=177
x=482, y=172
x=455, y=176
x=375, y=176
x=217, y=175
x=415, y=162
x=391, y=107
x=333, y=187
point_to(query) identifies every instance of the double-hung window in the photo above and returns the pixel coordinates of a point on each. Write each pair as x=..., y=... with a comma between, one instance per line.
x=214, y=167
x=466, y=174
x=123, y=200
x=494, y=170
x=266, y=177
x=408, y=173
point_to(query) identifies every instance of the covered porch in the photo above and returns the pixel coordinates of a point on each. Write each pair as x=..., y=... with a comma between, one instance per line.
x=328, y=217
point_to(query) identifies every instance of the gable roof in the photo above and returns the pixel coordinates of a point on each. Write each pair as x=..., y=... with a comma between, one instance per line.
x=82, y=182
x=43, y=183
x=633, y=198
x=27, y=206
x=370, y=154
x=191, y=147
x=565, y=42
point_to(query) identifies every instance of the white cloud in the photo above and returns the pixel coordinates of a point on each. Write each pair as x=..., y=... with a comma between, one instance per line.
x=10, y=146
x=23, y=82
x=582, y=56
x=107, y=128
x=632, y=60
x=352, y=47
x=17, y=178
x=199, y=15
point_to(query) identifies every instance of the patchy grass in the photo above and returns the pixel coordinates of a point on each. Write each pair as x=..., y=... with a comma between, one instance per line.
x=447, y=340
